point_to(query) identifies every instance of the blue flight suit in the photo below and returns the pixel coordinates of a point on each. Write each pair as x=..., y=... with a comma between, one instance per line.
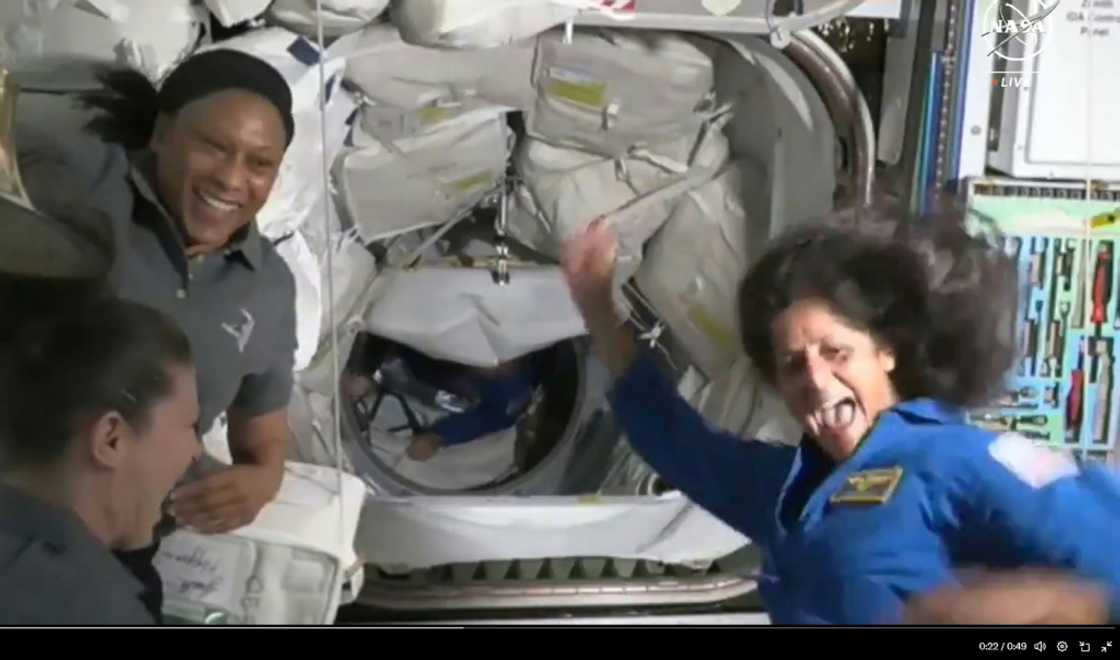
x=500, y=398
x=833, y=555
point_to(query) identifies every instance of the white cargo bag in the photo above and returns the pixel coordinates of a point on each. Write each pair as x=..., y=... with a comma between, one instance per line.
x=739, y=401
x=299, y=188
x=309, y=295
x=420, y=88
x=693, y=267
x=610, y=90
x=232, y=12
x=565, y=189
x=70, y=38
x=393, y=187
x=485, y=23
x=339, y=17
x=287, y=568
x=460, y=314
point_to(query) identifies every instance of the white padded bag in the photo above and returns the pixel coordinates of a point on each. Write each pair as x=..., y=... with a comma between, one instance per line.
x=304, y=266
x=232, y=12
x=339, y=16
x=287, y=568
x=471, y=24
x=420, y=88
x=692, y=269
x=565, y=189
x=393, y=187
x=299, y=189
x=69, y=38
x=460, y=314
x=610, y=90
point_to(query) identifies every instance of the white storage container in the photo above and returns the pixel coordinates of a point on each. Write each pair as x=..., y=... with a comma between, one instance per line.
x=287, y=568
x=70, y=38
x=693, y=267
x=393, y=187
x=473, y=24
x=598, y=94
x=339, y=17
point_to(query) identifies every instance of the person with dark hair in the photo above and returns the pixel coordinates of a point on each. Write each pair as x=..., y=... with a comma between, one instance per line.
x=180, y=173
x=876, y=337
x=98, y=421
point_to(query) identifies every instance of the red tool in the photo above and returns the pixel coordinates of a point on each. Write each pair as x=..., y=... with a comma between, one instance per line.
x=1102, y=285
x=1074, y=403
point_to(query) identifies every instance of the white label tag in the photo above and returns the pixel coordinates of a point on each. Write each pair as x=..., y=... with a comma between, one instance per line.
x=1036, y=466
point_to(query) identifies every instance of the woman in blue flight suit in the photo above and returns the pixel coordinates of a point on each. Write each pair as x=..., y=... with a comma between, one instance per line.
x=876, y=344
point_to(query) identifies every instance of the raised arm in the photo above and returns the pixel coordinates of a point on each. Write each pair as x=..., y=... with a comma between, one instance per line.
x=738, y=481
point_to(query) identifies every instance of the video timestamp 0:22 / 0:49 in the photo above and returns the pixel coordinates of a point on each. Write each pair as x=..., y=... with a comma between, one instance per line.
x=1003, y=646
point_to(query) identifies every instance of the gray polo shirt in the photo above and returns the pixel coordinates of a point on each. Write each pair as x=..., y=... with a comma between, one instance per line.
x=237, y=307
x=53, y=571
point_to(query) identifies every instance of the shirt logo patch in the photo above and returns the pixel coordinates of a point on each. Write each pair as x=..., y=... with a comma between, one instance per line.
x=243, y=331
x=869, y=487
x=1036, y=466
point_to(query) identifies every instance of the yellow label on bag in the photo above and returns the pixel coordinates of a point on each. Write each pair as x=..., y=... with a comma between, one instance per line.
x=712, y=328
x=592, y=95
x=577, y=87
x=467, y=184
x=435, y=114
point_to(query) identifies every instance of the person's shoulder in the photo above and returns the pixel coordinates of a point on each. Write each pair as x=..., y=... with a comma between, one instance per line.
x=943, y=444
x=63, y=168
x=48, y=588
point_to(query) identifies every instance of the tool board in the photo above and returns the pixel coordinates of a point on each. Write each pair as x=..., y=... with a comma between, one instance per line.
x=1064, y=390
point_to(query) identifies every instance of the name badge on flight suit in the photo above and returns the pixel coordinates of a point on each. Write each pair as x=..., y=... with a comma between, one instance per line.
x=869, y=487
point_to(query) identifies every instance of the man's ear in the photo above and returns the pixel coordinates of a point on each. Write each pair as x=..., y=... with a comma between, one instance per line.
x=107, y=440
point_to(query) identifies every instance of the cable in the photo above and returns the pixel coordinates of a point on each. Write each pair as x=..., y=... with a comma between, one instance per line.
x=336, y=376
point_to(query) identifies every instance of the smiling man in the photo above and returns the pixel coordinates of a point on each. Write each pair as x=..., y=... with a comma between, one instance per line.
x=182, y=172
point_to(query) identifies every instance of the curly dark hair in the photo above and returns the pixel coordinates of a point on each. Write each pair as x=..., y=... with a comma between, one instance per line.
x=941, y=299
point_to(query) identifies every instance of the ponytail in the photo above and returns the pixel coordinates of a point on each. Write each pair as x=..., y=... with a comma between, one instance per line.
x=128, y=103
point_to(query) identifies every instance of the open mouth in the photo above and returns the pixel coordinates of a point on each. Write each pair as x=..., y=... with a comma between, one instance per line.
x=837, y=415
x=218, y=204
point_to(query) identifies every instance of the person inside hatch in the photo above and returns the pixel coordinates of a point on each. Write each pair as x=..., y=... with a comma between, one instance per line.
x=180, y=174
x=481, y=401
x=877, y=341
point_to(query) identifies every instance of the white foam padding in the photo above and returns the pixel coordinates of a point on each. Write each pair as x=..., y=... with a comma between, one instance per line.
x=471, y=24
x=232, y=12
x=286, y=568
x=565, y=189
x=693, y=267
x=397, y=186
x=610, y=90
x=300, y=189
x=339, y=17
x=460, y=314
x=69, y=38
x=418, y=532
x=412, y=89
